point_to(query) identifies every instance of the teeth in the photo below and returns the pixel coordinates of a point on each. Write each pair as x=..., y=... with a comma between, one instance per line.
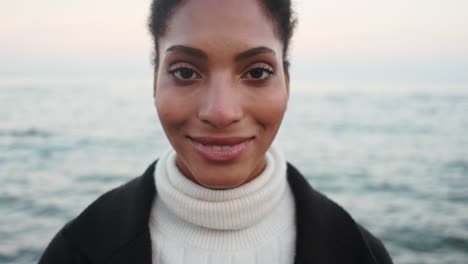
x=219, y=147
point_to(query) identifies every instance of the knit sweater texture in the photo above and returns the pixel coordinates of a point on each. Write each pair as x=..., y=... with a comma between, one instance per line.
x=253, y=223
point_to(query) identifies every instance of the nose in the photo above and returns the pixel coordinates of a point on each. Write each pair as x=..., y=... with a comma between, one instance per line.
x=221, y=104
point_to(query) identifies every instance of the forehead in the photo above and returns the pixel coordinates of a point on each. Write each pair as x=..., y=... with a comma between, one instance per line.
x=210, y=24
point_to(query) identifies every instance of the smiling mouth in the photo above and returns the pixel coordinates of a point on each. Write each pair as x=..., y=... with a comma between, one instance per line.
x=220, y=149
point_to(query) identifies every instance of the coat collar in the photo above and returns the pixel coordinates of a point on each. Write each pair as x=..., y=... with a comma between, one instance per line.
x=114, y=229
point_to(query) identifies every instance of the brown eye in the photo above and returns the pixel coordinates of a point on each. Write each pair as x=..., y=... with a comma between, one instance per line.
x=184, y=73
x=258, y=73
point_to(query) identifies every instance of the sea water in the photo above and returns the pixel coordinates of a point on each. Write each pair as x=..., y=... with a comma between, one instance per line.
x=397, y=161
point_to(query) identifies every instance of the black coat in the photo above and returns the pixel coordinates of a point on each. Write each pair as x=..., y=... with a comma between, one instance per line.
x=114, y=229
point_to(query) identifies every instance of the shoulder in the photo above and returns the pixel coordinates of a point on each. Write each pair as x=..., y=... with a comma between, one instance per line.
x=110, y=222
x=376, y=247
x=326, y=231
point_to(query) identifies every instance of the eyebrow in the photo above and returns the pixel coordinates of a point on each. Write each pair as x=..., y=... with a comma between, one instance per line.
x=188, y=50
x=254, y=52
x=194, y=52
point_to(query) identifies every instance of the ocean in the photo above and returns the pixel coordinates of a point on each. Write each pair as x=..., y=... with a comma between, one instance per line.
x=396, y=160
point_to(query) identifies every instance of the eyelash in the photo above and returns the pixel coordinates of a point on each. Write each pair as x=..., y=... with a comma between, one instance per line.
x=179, y=67
x=265, y=68
x=176, y=71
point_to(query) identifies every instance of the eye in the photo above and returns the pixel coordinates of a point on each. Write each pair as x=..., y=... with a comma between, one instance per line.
x=183, y=72
x=259, y=72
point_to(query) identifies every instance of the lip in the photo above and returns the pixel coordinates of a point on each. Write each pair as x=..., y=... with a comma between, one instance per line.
x=220, y=148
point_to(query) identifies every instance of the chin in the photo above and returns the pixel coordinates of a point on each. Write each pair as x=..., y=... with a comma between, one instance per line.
x=221, y=175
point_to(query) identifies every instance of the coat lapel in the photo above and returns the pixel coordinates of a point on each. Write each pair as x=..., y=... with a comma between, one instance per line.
x=325, y=232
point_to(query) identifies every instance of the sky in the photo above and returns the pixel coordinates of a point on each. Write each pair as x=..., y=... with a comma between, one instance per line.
x=362, y=40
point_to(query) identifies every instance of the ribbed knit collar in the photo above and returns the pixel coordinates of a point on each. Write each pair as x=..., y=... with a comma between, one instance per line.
x=232, y=209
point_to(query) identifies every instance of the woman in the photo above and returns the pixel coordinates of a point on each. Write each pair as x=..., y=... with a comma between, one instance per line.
x=223, y=194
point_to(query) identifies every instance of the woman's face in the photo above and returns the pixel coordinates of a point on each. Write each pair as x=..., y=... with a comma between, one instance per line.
x=220, y=89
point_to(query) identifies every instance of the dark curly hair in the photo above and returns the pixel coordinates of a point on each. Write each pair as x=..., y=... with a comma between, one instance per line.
x=280, y=12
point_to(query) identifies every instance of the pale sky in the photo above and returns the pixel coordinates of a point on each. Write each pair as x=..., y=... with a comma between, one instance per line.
x=336, y=39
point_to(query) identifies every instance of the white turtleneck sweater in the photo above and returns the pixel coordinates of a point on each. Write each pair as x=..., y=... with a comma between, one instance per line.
x=253, y=223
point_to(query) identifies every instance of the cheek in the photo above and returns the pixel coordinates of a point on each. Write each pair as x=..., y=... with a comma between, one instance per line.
x=172, y=110
x=271, y=109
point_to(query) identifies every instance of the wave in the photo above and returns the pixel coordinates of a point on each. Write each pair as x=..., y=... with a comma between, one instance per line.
x=29, y=132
